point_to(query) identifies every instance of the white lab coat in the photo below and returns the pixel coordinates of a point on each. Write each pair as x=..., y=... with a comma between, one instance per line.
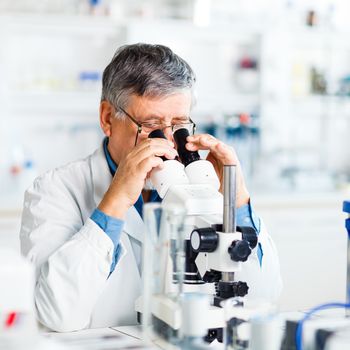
x=73, y=255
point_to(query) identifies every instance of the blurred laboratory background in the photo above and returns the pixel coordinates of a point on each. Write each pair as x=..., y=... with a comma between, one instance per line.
x=273, y=81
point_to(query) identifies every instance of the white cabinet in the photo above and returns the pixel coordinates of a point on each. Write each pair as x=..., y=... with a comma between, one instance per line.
x=311, y=239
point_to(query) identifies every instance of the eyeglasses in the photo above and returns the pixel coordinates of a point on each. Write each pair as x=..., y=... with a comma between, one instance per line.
x=147, y=128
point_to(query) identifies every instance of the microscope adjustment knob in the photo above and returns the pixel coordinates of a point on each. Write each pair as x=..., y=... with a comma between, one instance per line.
x=232, y=289
x=239, y=250
x=204, y=240
x=241, y=289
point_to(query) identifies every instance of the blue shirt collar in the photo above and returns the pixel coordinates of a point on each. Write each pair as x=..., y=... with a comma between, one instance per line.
x=111, y=164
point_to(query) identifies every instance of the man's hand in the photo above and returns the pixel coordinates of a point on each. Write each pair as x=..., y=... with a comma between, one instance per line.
x=131, y=174
x=219, y=155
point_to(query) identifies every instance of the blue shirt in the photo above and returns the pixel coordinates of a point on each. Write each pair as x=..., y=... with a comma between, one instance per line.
x=113, y=227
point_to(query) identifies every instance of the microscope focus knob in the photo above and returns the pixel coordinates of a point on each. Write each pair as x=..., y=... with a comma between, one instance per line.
x=242, y=289
x=204, y=240
x=239, y=250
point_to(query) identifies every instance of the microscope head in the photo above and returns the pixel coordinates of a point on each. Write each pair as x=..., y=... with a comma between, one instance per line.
x=192, y=168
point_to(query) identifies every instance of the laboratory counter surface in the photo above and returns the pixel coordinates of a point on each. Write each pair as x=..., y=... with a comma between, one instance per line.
x=101, y=339
x=127, y=337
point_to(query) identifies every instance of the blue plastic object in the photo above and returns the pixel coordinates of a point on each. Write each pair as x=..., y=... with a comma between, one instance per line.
x=346, y=209
x=95, y=2
x=89, y=76
x=346, y=206
x=347, y=225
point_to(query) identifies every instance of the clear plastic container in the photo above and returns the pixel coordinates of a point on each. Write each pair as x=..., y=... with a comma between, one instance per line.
x=163, y=272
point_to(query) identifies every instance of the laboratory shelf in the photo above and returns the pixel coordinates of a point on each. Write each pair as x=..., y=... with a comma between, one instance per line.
x=61, y=24
x=54, y=101
x=316, y=106
x=227, y=102
x=319, y=38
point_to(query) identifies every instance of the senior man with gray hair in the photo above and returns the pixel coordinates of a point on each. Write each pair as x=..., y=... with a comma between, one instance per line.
x=82, y=223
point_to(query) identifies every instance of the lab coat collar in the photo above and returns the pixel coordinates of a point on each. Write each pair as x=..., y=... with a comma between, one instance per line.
x=101, y=177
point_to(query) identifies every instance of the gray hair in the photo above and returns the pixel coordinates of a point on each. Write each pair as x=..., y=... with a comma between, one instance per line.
x=145, y=70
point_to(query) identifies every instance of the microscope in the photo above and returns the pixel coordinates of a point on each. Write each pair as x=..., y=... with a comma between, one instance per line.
x=214, y=248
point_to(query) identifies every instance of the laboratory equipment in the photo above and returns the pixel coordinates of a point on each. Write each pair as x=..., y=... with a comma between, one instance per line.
x=346, y=209
x=163, y=259
x=201, y=252
x=195, y=307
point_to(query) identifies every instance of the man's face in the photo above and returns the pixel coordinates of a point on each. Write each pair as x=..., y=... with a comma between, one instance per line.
x=161, y=110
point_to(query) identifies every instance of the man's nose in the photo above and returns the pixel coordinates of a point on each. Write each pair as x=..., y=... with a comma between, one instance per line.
x=168, y=133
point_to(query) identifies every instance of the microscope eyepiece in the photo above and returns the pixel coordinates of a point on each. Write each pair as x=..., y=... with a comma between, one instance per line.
x=157, y=134
x=186, y=156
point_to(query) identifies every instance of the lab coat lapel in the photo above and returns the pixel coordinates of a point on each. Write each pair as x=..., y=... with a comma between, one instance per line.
x=134, y=225
x=102, y=178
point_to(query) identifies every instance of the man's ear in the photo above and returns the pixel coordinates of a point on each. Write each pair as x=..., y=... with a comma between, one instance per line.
x=107, y=113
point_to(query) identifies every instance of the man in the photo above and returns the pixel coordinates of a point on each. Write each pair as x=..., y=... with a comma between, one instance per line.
x=82, y=223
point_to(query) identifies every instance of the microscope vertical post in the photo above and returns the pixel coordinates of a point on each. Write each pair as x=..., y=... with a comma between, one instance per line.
x=229, y=219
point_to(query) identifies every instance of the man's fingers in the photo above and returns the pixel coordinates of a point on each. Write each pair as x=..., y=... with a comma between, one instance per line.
x=152, y=146
x=225, y=154
x=146, y=165
x=201, y=142
x=157, y=151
